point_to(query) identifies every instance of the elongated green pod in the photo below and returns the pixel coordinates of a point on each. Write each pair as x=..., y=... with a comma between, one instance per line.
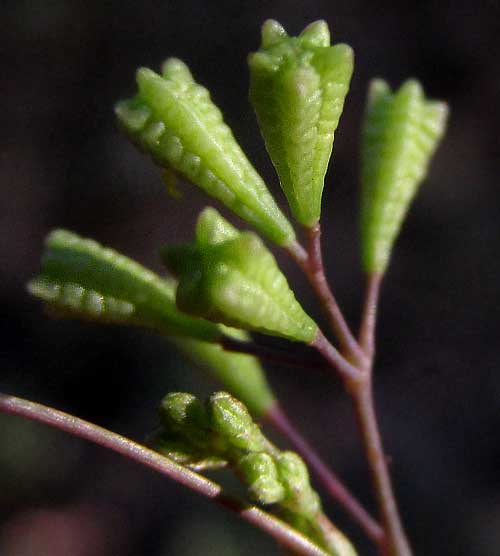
x=261, y=475
x=297, y=88
x=237, y=282
x=173, y=118
x=81, y=278
x=400, y=134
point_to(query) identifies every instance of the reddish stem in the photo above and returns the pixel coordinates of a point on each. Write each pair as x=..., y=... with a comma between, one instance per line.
x=336, y=360
x=285, y=535
x=395, y=542
x=279, y=420
x=354, y=364
x=312, y=265
x=369, y=318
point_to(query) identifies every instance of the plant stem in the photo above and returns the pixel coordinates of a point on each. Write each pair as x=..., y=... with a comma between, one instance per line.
x=279, y=420
x=361, y=392
x=285, y=535
x=336, y=360
x=369, y=317
x=270, y=354
x=395, y=543
x=312, y=265
x=354, y=364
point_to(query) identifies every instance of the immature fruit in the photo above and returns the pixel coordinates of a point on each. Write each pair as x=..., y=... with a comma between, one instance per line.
x=81, y=278
x=237, y=282
x=173, y=118
x=400, y=134
x=297, y=88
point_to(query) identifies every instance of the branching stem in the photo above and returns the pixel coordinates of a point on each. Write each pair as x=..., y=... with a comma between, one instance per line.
x=361, y=393
x=279, y=420
x=311, y=263
x=285, y=535
x=354, y=364
x=395, y=542
x=336, y=360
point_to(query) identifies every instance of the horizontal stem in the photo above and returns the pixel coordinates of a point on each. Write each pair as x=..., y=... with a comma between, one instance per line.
x=280, y=421
x=285, y=535
x=270, y=354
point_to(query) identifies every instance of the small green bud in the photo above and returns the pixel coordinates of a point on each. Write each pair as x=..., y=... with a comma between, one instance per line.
x=400, y=134
x=293, y=473
x=237, y=282
x=182, y=413
x=81, y=278
x=242, y=375
x=297, y=88
x=232, y=421
x=259, y=473
x=174, y=119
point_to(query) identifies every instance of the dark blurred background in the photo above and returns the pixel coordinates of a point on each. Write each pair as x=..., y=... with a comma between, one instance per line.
x=64, y=164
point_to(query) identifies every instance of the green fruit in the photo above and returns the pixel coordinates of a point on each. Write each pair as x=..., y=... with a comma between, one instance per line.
x=400, y=134
x=173, y=118
x=237, y=282
x=297, y=88
x=81, y=278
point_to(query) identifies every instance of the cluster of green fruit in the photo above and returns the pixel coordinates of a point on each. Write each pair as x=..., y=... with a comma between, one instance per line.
x=227, y=282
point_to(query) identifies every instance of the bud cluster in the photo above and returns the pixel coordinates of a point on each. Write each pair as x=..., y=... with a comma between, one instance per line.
x=223, y=433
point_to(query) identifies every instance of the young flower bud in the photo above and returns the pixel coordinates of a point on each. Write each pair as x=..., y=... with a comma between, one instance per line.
x=232, y=421
x=259, y=472
x=294, y=476
x=237, y=282
x=400, y=134
x=81, y=278
x=183, y=414
x=304, y=507
x=297, y=88
x=174, y=119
